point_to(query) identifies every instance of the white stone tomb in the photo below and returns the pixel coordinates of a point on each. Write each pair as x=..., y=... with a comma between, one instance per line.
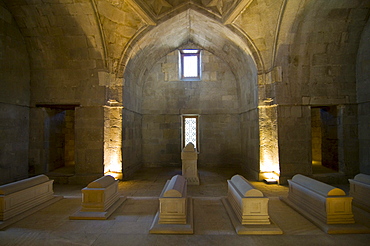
x=327, y=203
x=248, y=203
x=99, y=199
x=175, y=214
x=360, y=191
x=22, y=198
x=326, y=206
x=248, y=208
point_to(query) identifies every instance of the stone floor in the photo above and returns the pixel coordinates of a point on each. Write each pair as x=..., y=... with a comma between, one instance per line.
x=129, y=225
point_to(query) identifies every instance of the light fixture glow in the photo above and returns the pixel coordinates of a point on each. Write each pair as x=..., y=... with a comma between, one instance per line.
x=269, y=150
x=113, y=141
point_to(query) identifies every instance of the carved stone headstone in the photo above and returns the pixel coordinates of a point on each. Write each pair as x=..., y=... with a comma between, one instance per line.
x=189, y=157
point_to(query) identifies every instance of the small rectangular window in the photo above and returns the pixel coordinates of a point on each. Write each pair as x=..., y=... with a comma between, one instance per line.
x=190, y=64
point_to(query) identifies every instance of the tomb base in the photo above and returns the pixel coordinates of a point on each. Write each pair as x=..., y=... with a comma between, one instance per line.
x=267, y=229
x=361, y=216
x=328, y=228
x=26, y=213
x=187, y=228
x=93, y=215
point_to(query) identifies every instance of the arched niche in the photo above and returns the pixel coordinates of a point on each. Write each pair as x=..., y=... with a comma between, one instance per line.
x=218, y=42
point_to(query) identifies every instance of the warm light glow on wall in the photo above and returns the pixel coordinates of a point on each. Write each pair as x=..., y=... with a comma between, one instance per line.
x=269, y=155
x=113, y=166
x=113, y=141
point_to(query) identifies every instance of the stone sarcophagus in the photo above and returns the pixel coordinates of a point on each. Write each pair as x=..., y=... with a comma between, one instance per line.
x=100, y=194
x=360, y=191
x=26, y=196
x=173, y=202
x=99, y=199
x=189, y=157
x=324, y=202
x=248, y=203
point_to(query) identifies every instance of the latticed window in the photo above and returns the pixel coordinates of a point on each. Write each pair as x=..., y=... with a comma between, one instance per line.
x=190, y=130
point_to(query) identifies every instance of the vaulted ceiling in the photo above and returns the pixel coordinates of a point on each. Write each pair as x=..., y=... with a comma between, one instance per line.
x=112, y=24
x=106, y=34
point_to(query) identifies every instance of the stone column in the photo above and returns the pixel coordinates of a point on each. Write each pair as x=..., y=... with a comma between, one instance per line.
x=113, y=140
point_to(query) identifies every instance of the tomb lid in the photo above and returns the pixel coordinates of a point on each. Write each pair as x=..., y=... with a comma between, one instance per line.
x=22, y=184
x=244, y=187
x=317, y=186
x=102, y=182
x=175, y=187
x=364, y=178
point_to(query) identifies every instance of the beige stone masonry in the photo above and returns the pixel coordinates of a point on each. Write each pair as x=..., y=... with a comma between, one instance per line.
x=99, y=199
x=22, y=198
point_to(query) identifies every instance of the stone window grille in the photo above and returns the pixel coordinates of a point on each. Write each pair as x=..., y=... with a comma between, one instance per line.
x=190, y=130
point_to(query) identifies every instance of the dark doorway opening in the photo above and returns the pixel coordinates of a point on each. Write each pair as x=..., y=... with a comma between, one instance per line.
x=324, y=128
x=59, y=139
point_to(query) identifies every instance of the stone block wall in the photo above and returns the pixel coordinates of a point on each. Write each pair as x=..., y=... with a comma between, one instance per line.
x=220, y=140
x=214, y=98
x=14, y=100
x=294, y=133
x=161, y=140
x=318, y=69
x=65, y=64
x=363, y=99
x=250, y=147
x=132, y=142
x=348, y=140
x=89, y=127
x=37, y=159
